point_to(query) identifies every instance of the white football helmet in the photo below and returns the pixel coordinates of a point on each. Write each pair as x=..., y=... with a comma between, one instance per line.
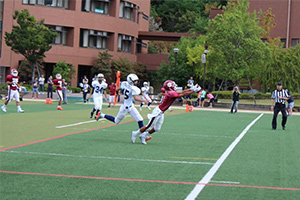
x=145, y=84
x=100, y=75
x=14, y=72
x=58, y=76
x=131, y=78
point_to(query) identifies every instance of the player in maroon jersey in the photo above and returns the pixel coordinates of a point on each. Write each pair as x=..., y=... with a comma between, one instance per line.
x=156, y=118
x=58, y=84
x=13, y=85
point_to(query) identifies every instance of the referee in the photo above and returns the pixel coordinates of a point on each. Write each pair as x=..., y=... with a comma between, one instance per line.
x=279, y=97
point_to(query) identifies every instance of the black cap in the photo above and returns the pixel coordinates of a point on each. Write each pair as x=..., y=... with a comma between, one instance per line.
x=279, y=83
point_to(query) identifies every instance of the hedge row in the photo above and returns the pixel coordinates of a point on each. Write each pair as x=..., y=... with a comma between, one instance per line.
x=259, y=95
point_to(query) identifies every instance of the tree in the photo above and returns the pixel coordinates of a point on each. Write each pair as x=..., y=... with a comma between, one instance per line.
x=123, y=65
x=30, y=37
x=66, y=70
x=236, y=39
x=103, y=64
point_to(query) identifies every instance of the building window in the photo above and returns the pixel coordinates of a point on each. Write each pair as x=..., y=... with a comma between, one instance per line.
x=62, y=34
x=124, y=43
x=93, y=39
x=97, y=6
x=52, y=3
x=283, y=40
x=295, y=41
x=126, y=10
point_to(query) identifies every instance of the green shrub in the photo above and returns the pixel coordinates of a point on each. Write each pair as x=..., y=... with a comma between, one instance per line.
x=74, y=89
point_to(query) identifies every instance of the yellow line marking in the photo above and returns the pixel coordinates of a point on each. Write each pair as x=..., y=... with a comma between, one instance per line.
x=194, y=158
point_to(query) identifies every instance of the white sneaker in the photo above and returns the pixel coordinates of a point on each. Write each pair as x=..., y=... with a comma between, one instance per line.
x=20, y=111
x=143, y=139
x=140, y=108
x=3, y=109
x=148, y=108
x=133, y=136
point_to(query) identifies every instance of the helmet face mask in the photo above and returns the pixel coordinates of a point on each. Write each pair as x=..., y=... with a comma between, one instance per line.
x=145, y=84
x=58, y=76
x=100, y=77
x=14, y=72
x=170, y=85
x=133, y=79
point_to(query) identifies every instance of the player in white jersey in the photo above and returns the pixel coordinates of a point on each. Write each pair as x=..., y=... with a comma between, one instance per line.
x=98, y=88
x=131, y=92
x=145, y=96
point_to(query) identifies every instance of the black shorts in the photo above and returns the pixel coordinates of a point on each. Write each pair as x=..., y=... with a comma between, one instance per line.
x=211, y=100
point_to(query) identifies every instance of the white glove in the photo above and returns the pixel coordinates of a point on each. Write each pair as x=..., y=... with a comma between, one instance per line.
x=196, y=88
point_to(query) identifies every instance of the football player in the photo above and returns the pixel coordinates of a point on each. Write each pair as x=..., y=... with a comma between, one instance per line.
x=12, y=81
x=98, y=88
x=131, y=92
x=145, y=96
x=156, y=118
x=58, y=84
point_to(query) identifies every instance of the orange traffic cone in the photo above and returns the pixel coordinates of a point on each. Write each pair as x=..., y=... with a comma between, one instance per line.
x=187, y=108
x=47, y=101
x=50, y=101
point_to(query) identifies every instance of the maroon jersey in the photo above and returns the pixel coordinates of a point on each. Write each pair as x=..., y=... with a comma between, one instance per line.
x=112, y=89
x=58, y=83
x=169, y=98
x=14, y=80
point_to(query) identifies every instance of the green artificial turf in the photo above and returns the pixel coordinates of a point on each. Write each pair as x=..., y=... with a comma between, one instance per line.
x=263, y=157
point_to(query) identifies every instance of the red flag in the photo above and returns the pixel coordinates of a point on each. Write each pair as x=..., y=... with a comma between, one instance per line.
x=117, y=86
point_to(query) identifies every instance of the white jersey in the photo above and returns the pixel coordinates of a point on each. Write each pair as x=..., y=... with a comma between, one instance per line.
x=145, y=90
x=129, y=91
x=98, y=88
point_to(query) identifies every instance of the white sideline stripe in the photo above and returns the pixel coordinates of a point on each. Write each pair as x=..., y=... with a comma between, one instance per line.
x=225, y=182
x=206, y=179
x=110, y=158
x=85, y=122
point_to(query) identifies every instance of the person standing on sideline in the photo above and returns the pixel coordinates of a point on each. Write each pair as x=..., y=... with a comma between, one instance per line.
x=50, y=87
x=42, y=83
x=35, y=88
x=211, y=99
x=290, y=105
x=64, y=91
x=112, y=93
x=235, y=99
x=85, y=91
x=85, y=80
x=279, y=97
x=190, y=81
x=201, y=98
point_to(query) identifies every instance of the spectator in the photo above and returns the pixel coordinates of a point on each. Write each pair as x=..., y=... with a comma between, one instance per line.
x=42, y=83
x=201, y=98
x=85, y=80
x=35, y=88
x=64, y=91
x=190, y=82
x=85, y=91
x=188, y=97
x=290, y=104
x=95, y=78
x=50, y=87
x=235, y=99
x=112, y=93
x=211, y=99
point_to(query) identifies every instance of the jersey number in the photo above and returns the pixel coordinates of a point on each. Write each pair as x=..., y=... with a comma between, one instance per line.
x=126, y=92
x=98, y=89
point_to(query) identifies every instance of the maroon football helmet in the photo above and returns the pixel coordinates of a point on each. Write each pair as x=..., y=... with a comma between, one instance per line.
x=169, y=85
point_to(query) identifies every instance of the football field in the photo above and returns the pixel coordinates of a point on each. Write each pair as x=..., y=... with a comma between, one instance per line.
x=51, y=154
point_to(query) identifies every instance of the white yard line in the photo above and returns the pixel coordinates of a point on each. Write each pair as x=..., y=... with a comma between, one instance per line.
x=109, y=158
x=206, y=179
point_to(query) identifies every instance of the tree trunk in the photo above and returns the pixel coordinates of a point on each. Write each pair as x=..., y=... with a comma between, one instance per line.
x=219, y=89
x=33, y=72
x=250, y=84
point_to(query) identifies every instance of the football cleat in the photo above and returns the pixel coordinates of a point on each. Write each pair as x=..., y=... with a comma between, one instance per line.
x=99, y=116
x=148, y=138
x=91, y=115
x=20, y=111
x=59, y=108
x=148, y=108
x=140, y=108
x=133, y=136
x=3, y=109
x=143, y=139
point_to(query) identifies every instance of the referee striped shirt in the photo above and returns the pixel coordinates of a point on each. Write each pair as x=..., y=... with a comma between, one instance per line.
x=279, y=93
